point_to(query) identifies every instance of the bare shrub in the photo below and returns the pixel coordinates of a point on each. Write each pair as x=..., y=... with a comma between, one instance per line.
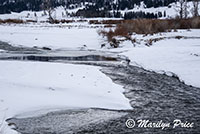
x=94, y=22
x=142, y=26
x=114, y=43
x=149, y=26
x=152, y=26
x=110, y=37
x=34, y=21
x=61, y=21
x=111, y=21
x=195, y=23
x=66, y=21
x=108, y=26
x=81, y=20
x=105, y=22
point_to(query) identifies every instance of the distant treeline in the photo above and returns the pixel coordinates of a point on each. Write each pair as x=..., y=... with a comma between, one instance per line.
x=127, y=15
x=136, y=15
x=93, y=8
x=7, y=6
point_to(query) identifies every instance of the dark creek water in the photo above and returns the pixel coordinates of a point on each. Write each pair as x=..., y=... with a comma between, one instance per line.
x=154, y=97
x=8, y=47
x=48, y=55
x=56, y=58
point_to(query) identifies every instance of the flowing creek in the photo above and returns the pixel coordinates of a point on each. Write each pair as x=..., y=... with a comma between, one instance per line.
x=154, y=97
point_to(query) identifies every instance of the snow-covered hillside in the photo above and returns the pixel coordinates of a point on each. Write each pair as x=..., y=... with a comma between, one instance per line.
x=59, y=13
x=171, y=11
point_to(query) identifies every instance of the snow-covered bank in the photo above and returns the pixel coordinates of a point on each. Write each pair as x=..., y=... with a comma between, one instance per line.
x=31, y=86
x=54, y=37
x=180, y=56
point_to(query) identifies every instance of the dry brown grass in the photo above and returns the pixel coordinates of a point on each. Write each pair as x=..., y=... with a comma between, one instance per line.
x=94, y=22
x=61, y=21
x=108, y=26
x=33, y=21
x=113, y=33
x=82, y=20
x=16, y=21
x=111, y=22
x=125, y=28
x=106, y=22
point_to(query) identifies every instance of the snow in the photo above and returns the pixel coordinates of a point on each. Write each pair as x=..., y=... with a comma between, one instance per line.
x=61, y=13
x=181, y=57
x=36, y=86
x=171, y=11
x=54, y=37
x=168, y=55
x=58, y=13
x=29, y=88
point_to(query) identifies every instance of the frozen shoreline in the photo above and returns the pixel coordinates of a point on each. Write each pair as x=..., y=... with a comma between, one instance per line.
x=17, y=80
